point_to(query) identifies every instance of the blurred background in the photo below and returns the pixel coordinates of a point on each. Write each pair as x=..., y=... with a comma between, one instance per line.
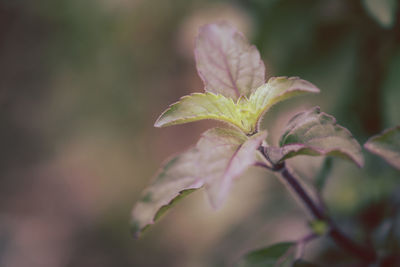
x=82, y=82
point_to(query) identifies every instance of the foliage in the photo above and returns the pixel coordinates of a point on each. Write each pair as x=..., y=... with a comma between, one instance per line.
x=245, y=114
x=386, y=145
x=315, y=133
x=237, y=94
x=219, y=156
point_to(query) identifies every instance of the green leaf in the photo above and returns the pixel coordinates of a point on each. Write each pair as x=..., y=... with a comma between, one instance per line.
x=386, y=145
x=276, y=90
x=245, y=114
x=383, y=11
x=219, y=156
x=281, y=254
x=205, y=106
x=226, y=62
x=316, y=133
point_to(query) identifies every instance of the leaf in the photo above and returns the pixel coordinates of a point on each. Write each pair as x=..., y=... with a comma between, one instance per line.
x=245, y=114
x=276, y=90
x=386, y=145
x=280, y=254
x=316, y=133
x=383, y=11
x=226, y=62
x=219, y=156
x=175, y=180
x=199, y=106
x=226, y=161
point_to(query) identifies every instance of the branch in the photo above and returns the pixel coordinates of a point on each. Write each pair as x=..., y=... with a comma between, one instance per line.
x=338, y=236
x=364, y=253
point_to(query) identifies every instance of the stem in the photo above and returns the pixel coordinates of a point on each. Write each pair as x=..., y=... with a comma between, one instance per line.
x=302, y=194
x=365, y=253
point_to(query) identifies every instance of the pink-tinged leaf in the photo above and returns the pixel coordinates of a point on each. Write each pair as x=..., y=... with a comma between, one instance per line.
x=386, y=145
x=226, y=162
x=218, y=157
x=315, y=133
x=226, y=62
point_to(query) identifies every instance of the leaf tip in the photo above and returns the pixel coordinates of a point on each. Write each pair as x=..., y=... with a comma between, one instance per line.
x=216, y=199
x=312, y=87
x=158, y=124
x=164, y=119
x=359, y=162
x=216, y=204
x=217, y=46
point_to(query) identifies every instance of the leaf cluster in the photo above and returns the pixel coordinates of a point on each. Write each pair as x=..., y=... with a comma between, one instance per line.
x=237, y=94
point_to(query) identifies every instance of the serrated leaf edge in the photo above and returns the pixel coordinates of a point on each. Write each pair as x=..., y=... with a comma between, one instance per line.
x=221, y=118
x=321, y=152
